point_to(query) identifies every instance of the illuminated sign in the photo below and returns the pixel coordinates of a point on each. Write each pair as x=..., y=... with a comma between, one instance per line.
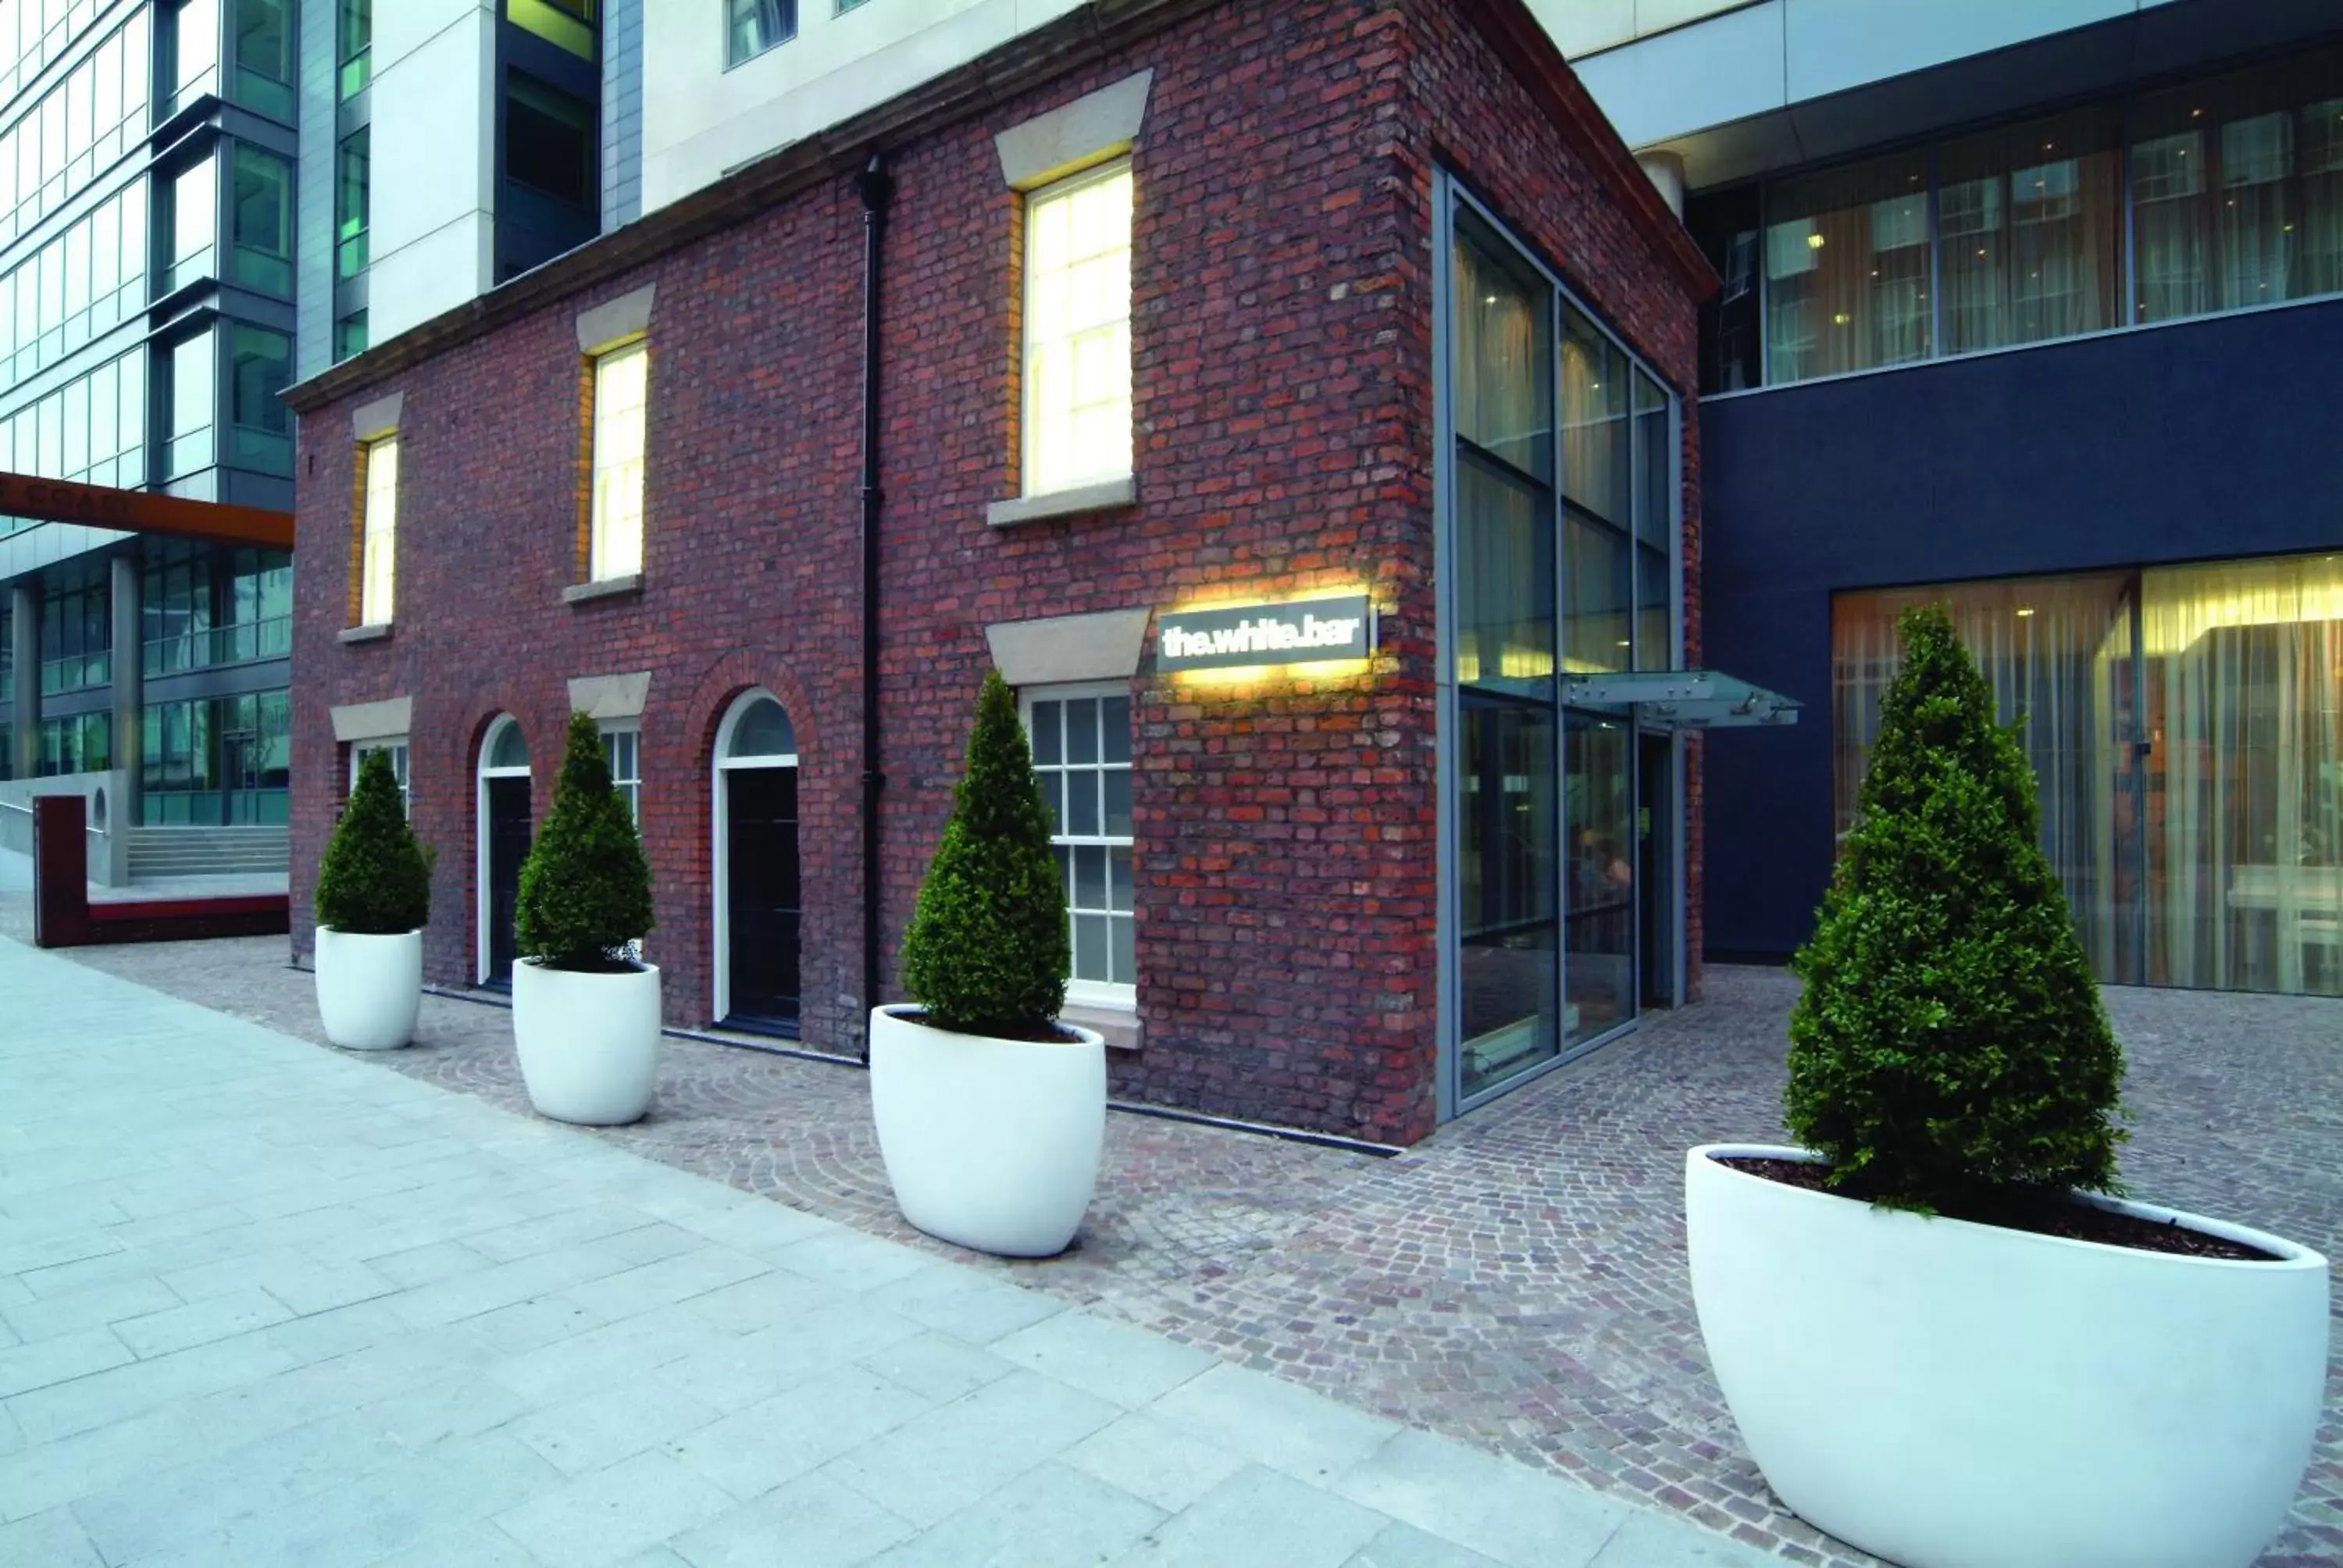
x=1309, y=631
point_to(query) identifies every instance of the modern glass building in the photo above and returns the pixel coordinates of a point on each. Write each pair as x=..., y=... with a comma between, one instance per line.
x=2031, y=311
x=189, y=213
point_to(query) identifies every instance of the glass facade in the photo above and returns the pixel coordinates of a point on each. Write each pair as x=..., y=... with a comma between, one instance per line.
x=200, y=608
x=2214, y=195
x=351, y=177
x=1563, y=479
x=261, y=214
x=76, y=627
x=81, y=744
x=260, y=367
x=216, y=761
x=354, y=45
x=264, y=69
x=85, y=123
x=2186, y=728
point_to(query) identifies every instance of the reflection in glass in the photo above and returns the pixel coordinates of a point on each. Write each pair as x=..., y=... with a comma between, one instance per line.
x=1594, y=434
x=2029, y=232
x=1504, y=391
x=1506, y=883
x=1505, y=571
x=1599, y=812
x=2190, y=772
x=1596, y=622
x=1846, y=270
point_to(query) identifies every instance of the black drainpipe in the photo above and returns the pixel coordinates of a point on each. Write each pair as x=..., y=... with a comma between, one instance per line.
x=877, y=188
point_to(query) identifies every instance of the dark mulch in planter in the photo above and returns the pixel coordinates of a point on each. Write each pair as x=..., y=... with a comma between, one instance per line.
x=1047, y=1034
x=2075, y=1222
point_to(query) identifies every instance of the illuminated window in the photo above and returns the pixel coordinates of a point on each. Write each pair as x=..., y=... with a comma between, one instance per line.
x=621, y=398
x=378, y=579
x=1077, y=414
x=1082, y=753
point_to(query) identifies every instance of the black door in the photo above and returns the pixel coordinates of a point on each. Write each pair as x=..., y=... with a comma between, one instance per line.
x=1655, y=870
x=508, y=846
x=762, y=900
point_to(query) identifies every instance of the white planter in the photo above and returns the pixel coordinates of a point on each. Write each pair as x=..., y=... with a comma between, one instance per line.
x=993, y=1144
x=369, y=988
x=1946, y=1394
x=590, y=1043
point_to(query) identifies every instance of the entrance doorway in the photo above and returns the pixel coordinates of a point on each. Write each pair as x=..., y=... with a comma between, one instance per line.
x=1655, y=880
x=505, y=824
x=758, y=896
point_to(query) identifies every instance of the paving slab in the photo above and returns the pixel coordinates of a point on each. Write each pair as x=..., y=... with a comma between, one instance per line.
x=494, y=1340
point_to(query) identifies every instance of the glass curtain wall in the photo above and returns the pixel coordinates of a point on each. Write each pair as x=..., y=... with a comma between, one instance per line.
x=216, y=761
x=1563, y=509
x=2185, y=727
x=2216, y=194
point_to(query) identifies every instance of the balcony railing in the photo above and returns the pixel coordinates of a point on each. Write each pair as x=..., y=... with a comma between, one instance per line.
x=75, y=671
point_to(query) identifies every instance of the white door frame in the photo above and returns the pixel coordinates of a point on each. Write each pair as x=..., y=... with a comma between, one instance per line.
x=719, y=879
x=482, y=773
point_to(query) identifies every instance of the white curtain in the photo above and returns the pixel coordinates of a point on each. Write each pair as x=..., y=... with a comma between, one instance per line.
x=2245, y=688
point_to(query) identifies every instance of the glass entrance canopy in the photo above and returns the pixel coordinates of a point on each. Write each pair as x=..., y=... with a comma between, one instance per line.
x=1673, y=699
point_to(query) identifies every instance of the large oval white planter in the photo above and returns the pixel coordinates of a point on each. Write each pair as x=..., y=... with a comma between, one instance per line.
x=993, y=1144
x=369, y=988
x=1955, y=1395
x=589, y=1043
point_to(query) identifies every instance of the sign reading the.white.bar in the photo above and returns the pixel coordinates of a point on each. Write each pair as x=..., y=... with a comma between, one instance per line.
x=1309, y=632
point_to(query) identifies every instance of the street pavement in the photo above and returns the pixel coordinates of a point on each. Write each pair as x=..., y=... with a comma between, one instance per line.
x=264, y=1303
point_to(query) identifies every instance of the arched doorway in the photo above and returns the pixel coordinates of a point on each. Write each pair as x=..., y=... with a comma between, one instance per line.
x=755, y=874
x=503, y=837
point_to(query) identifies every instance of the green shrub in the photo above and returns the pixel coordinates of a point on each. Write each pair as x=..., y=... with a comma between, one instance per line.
x=374, y=879
x=988, y=949
x=585, y=888
x=1948, y=1051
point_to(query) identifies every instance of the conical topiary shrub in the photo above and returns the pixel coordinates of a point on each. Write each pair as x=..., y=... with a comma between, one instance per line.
x=987, y=948
x=374, y=879
x=1948, y=1051
x=585, y=888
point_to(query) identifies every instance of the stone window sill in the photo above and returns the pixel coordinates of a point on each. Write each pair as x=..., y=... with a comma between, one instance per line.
x=605, y=588
x=378, y=632
x=1122, y=1030
x=1074, y=503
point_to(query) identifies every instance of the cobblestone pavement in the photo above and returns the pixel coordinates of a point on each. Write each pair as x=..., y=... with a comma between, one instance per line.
x=1516, y=1281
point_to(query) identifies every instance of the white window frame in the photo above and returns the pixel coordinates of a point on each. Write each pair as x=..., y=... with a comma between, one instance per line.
x=619, y=476
x=379, y=534
x=396, y=746
x=481, y=774
x=1082, y=992
x=1038, y=289
x=720, y=839
x=628, y=786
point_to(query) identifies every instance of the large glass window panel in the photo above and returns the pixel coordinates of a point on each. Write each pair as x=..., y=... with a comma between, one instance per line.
x=354, y=28
x=549, y=141
x=2030, y=231
x=2244, y=699
x=2319, y=144
x=1077, y=363
x=1507, y=877
x=194, y=50
x=1846, y=270
x=262, y=232
x=264, y=56
x=1598, y=962
x=1598, y=595
x=351, y=200
x=194, y=375
x=260, y=367
x=621, y=409
x=1504, y=391
x=195, y=222
x=2056, y=653
x=1504, y=580
x=1596, y=472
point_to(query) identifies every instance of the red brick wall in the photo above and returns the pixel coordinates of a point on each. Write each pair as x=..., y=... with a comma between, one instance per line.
x=1286, y=831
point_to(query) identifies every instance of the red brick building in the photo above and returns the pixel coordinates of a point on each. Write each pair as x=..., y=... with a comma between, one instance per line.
x=1404, y=320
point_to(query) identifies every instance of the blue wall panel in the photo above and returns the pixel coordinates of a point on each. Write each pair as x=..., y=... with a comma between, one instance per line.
x=2204, y=440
